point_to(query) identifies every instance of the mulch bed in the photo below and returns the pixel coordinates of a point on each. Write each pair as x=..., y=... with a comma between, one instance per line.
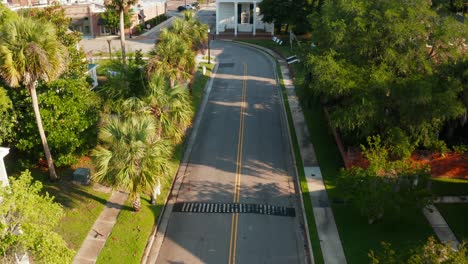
x=449, y=165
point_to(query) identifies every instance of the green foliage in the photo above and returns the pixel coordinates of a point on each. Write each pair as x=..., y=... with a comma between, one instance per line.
x=29, y=218
x=287, y=12
x=156, y=20
x=55, y=14
x=384, y=185
x=7, y=116
x=460, y=149
x=70, y=112
x=126, y=82
x=399, y=144
x=111, y=19
x=130, y=156
x=174, y=56
x=432, y=252
x=6, y=14
x=373, y=71
x=170, y=108
x=29, y=52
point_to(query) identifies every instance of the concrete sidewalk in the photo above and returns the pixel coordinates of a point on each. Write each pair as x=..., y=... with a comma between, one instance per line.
x=330, y=242
x=97, y=236
x=440, y=226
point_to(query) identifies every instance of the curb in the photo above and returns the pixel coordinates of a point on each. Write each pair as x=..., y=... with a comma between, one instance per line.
x=297, y=183
x=157, y=236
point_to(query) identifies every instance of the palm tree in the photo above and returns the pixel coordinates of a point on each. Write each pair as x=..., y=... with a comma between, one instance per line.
x=121, y=6
x=198, y=32
x=130, y=156
x=173, y=58
x=170, y=107
x=30, y=52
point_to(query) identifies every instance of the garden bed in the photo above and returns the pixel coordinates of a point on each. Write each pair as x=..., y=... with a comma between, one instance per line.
x=448, y=165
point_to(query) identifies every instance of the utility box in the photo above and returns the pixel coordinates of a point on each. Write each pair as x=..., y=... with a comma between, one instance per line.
x=82, y=176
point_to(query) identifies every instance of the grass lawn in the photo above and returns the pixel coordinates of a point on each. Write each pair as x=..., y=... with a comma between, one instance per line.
x=315, y=242
x=82, y=204
x=126, y=243
x=456, y=216
x=448, y=186
x=404, y=231
x=199, y=83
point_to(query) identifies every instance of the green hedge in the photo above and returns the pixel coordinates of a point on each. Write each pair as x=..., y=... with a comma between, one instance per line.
x=156, y=20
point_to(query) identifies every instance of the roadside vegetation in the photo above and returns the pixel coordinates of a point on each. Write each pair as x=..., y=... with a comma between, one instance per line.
x=335, y=75
x=147, y=108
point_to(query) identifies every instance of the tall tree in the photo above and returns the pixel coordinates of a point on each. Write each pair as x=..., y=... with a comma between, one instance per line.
x=29, y=53
x=130, y=156
x=169, y=106
x=55, y=14
x=289, y=12
x=173, y=58
x=378, y=61
x=111, y=19
x=191, y=30
x=121, y=6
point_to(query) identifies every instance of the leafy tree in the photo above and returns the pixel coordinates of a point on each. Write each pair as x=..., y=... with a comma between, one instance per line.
x=378, y=61
x=28, y=221
x=30, y=52
x=433, y=252
x=111, y=19
x=287, y=12
x=384, y=185
x=70, y=111
x=7, y=116
x=122, y=7
x=130, y=156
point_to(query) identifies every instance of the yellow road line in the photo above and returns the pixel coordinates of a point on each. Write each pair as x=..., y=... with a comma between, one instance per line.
x=235, y=216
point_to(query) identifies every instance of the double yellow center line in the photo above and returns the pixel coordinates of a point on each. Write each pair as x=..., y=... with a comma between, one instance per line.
x=235, y=216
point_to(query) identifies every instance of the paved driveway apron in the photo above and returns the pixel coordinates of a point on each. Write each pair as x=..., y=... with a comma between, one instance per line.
x=241, y=162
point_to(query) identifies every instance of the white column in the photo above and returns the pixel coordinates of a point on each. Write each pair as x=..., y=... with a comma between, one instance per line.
x=217, y=18
x=255, y=18
x=235, y=18
x=3, y=173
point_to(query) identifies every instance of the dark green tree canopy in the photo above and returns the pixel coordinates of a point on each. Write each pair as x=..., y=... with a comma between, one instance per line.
x=383, y=64
x=70, y=112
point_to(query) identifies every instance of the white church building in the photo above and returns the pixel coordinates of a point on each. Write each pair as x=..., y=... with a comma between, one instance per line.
x=240, y=17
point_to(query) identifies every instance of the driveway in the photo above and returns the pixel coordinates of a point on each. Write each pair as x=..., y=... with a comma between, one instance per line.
x=238, y=202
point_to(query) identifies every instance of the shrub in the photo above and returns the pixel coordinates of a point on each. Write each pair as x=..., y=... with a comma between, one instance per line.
x=69, y=111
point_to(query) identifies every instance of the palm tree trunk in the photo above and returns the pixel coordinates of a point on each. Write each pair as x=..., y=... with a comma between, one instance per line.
x=122, y=38
x=50, y=162
x=136, y=203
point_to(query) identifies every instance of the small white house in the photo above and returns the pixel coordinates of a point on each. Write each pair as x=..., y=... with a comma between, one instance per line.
x=240, y=16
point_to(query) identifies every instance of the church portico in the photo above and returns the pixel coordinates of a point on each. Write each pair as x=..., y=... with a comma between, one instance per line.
x=243, y=17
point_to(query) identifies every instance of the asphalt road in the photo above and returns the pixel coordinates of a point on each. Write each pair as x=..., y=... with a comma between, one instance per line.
x=241, y=155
